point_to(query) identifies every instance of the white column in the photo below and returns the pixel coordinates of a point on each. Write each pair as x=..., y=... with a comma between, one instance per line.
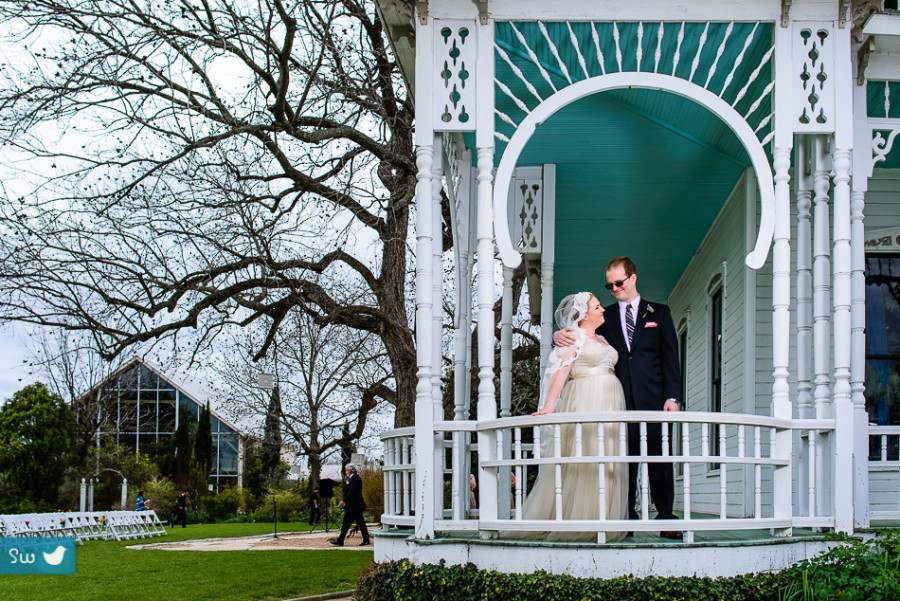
x=82, y=502
x=470, y=279
x=504, y=496
x=506, y=343
x=804, y=281
x=862, y=161
x=843, y=407
x=463, y=292
x=437, y=284
x=484, y=144
x=548, y=254
x=858, y=356
x=124, y=499
x=822, y=319
x=463, y=295
x=437, y=334
x=804, y=309
x=843, y=476
x=425, y=476
x=781, y=320
x=424, y=427
x=822, y=282
x=782, y=496
x=487, y=408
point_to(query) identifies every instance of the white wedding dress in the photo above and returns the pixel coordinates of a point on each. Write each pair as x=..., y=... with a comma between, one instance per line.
x=592, y=386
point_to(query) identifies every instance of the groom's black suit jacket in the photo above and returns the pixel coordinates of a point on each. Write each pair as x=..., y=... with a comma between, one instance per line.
x=650, y=374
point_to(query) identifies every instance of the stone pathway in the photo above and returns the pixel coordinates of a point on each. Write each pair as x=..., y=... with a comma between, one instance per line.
x=290, y=540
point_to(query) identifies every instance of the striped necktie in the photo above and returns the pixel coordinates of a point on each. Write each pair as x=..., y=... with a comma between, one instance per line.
x=629, y=323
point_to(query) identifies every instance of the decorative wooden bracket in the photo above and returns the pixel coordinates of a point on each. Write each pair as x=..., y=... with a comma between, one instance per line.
x=862, y=59
x=422, y=11
x=843, y=7
x=785, y=12
x=482, y=10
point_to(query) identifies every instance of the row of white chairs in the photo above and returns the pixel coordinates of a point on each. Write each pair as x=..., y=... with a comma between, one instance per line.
x=84, y=525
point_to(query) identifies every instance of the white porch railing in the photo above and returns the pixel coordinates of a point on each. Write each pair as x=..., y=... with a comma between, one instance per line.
x=726, y=466
x=884, y=472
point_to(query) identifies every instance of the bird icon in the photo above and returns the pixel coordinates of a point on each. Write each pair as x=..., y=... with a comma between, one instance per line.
x=55, y=558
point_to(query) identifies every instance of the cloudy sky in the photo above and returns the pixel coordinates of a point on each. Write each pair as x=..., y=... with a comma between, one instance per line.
x=13, y=370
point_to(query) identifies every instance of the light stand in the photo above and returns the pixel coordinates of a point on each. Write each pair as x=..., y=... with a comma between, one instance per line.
x=275, y=515
x=326, y=492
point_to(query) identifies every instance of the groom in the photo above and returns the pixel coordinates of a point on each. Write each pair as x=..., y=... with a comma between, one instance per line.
x=644, y=336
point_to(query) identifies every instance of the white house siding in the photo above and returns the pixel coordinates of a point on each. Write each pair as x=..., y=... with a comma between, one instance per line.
x=882, y=212
x=883, y=200
x=720, y=255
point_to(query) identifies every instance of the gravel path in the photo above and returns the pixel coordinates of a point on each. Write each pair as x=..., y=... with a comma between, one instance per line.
x=291, y=540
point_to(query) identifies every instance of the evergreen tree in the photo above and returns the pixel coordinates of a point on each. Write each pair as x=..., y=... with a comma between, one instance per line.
x=271, y=444
x=37, y=433
x=203, y=442
x=181, y=449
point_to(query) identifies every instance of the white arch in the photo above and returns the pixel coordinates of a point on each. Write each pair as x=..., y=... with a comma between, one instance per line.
x=654, y=81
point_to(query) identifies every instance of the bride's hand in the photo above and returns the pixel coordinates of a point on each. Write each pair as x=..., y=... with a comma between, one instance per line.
x=543, y=411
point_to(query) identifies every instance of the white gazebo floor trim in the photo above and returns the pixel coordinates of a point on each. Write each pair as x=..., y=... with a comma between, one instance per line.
x=712, y=554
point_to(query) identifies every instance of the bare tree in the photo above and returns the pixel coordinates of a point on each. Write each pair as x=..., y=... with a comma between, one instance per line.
x=183, y=168
x=73, y=371
x=329, y=381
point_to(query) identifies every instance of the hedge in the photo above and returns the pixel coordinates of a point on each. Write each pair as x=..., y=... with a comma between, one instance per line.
x=852, y=571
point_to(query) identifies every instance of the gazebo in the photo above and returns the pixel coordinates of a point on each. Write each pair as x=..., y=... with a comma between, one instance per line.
x=740, y=153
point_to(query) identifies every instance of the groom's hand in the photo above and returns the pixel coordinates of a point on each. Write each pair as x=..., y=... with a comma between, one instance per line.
x=563, y=338
x=670, y=405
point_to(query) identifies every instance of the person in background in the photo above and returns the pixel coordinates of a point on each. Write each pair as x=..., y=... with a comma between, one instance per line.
x=140, y=504
x=181, y=509
x=315, y=507
x=353, y=505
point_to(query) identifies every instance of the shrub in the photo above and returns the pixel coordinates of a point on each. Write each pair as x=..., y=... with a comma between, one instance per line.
x=403, y=581
x=373, y=489
x=161, y=494
x=225, y=504
x=853, y=571
x=287, y=501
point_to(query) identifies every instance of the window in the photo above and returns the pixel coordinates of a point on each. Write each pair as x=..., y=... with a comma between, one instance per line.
x=883, y=345
x=715, y=366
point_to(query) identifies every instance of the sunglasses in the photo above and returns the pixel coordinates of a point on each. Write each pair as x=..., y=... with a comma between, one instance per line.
x=618, y=284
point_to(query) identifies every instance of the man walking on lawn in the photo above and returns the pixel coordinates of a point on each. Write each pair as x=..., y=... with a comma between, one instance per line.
x=353, y=505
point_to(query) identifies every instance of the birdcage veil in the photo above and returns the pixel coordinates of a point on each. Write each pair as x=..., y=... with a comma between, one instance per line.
x=571, y=310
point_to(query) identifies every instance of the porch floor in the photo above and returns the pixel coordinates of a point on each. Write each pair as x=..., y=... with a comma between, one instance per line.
x=712, y=553
x=725, y=538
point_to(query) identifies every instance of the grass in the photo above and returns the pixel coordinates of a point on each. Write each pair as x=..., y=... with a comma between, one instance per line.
x=106, y=570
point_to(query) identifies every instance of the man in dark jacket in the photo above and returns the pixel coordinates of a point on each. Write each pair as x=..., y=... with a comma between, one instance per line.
x=181, y=509
x=353, y=505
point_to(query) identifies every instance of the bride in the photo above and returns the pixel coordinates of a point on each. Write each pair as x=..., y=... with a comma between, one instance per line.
x=581, y=378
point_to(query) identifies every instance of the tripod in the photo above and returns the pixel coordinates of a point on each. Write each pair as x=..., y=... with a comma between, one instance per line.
x=323, y=521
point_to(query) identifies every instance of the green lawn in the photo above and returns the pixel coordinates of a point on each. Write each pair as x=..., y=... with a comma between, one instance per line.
x=107, y=571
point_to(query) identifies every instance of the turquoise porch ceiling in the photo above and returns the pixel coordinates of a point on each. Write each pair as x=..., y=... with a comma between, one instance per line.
x=630, y=184
x=639, y=172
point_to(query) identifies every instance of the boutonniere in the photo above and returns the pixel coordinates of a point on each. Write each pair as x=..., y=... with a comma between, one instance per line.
x=649, y=311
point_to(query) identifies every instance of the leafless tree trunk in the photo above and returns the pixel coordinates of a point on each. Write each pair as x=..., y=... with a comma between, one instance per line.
x=181, y=169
